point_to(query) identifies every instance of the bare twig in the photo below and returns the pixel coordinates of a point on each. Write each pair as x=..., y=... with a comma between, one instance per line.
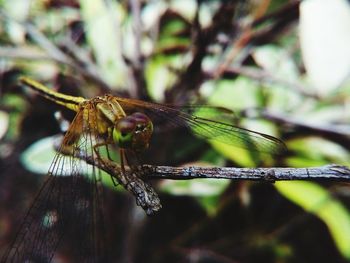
x=23, y=52
x=327, y=172
x=147, y=198
x=145, y=195
x=84, y=64
x=46, y=44
x=192, y=77
x=237, y=47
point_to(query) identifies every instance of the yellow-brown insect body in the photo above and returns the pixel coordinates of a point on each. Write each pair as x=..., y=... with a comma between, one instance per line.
x=112, y=119
x=98, y=116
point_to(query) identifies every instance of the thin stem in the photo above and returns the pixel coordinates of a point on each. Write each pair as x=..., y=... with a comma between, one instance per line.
x=327, y=172
x=147, y=198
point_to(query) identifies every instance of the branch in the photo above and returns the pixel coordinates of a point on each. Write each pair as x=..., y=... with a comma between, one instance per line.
x=327, y=172
x=192, y=77
x=337, y=133
x=145, y=195
x=147, y=198
x=23, y=52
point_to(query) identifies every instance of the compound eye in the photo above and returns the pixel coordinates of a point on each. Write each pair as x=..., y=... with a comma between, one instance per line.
x=140, y=117
x=123, y=132
x=126, y=125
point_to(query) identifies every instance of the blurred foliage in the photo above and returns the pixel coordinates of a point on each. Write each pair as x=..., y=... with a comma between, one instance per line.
x=264, y=60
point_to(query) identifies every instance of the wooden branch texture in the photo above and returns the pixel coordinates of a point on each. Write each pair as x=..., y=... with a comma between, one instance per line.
x=134, y=181
x=327, y=172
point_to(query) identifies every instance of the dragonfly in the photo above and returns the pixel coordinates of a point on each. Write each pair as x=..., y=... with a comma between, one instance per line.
x=102, y=123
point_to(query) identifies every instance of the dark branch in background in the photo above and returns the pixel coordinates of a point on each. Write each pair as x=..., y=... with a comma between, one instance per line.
x=335, y=132
x=250, y=36
x=147, y=198
x=280, y=20
x=137, y=64
x=82, y=58
x=191, y=79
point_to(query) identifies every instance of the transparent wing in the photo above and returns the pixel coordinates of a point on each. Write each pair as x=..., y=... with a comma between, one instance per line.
x=216, y=128
x=67, y=202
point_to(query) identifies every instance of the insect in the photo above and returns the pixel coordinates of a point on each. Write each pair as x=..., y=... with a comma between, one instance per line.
x=102, y=123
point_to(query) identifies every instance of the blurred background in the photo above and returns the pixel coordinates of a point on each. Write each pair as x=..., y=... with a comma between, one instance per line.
x=283, y=67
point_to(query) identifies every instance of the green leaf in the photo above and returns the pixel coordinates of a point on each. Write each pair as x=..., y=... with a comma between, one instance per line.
x=237, y=94
x=315, y=151
x=212, y=157
x=18, y=10
x=209, y=203
x=38, y=158
x=318, y=201
x=159, y=77
x=16, y=103
x=237, y=155
x=4, y=123
x=206, y=191
x=278, y=63
x=101, y=23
